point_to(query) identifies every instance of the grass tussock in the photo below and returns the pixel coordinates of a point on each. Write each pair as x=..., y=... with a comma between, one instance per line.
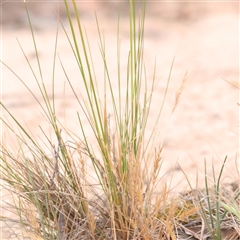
x=54, y=196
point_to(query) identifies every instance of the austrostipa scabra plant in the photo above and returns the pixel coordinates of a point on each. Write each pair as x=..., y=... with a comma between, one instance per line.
x=97, y=179
x=53, y=195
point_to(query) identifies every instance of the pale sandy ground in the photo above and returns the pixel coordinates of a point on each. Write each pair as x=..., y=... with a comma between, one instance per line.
x=204, y=37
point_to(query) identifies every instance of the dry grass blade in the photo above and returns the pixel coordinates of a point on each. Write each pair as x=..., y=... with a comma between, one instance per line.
x=180, y=90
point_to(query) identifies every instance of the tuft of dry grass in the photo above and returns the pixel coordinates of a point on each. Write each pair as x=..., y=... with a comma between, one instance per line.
x=54, y=196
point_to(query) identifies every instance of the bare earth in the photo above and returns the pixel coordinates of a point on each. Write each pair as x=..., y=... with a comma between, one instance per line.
x=204, y=37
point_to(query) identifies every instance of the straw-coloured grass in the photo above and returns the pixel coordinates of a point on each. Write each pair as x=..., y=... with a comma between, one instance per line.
x=54, y=196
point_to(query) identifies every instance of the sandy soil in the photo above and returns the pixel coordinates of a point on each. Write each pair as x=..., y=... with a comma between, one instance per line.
x=204, y=38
